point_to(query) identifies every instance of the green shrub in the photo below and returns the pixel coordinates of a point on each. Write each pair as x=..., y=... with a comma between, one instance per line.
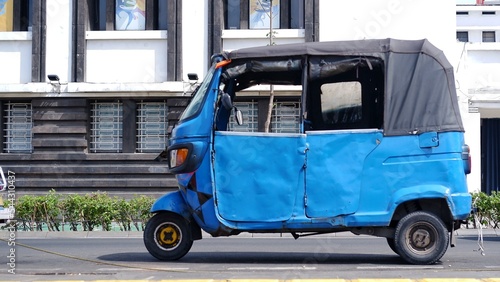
x=51, y=209
x=487, y=209
x=98, y=209
x=140, y=206
x=82, y=212
x=27, y=213
x=495, y=209
x=35, y=212
x=123, y=214
x=71, y=207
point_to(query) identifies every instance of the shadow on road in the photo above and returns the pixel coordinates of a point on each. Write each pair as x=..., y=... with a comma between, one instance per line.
x=128, y=257
x=485, y=238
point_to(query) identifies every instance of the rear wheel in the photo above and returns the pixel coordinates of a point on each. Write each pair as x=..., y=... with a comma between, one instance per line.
x=421, y=238
x=167, y=236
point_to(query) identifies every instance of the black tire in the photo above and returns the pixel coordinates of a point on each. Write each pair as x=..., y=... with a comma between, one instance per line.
x=167, y=236
x=392, y=244
x=421, y=238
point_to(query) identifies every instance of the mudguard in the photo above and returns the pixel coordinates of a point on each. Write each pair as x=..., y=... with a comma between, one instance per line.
x=458, y=203
x=173, y=202
x=421, y=192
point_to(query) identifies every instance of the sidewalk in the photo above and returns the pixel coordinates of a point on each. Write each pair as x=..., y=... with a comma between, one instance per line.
x=4, y=234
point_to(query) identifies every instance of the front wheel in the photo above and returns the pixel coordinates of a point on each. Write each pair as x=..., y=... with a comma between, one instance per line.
x=421, y=238
x=167, y=236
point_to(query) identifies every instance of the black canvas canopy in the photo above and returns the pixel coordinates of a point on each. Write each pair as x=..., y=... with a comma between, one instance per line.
x=420, y=94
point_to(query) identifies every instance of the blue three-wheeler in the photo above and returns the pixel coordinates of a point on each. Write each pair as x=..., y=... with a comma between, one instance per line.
x=379, y=151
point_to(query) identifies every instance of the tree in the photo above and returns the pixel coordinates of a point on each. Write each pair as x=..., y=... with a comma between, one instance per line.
x=271, y=87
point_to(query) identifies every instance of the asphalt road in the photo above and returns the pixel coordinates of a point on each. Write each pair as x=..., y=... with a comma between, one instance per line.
x=264, y=257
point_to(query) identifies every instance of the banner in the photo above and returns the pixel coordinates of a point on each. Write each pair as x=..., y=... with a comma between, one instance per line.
x=130, y=15
x=6, y=15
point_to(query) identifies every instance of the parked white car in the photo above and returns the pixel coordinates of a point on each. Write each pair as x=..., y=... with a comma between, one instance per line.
x=4, y=212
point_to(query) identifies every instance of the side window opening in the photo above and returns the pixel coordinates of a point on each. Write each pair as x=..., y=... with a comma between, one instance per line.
x=345, y=93
x=341, y=102
x=261, y=74
x=341, y=92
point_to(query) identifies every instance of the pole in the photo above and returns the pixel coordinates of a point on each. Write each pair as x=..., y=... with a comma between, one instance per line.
x=271, y=94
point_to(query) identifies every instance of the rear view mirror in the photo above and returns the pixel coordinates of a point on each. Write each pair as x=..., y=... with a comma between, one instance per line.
x=238, y=116
x=228, y=105
x=226, y=101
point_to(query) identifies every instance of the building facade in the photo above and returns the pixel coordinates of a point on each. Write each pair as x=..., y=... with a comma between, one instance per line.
x=478, y=74
x=89, y=89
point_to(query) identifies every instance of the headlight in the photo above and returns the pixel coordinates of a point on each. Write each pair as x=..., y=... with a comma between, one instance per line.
x=178, y=157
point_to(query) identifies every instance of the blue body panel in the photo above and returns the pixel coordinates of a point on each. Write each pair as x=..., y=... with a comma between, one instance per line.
x=316, y=181
x=173, y=202
x=339, y=178
x=335, y=164
x=247, y=192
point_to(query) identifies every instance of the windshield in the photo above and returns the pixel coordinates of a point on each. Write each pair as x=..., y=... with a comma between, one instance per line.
x=197, y=100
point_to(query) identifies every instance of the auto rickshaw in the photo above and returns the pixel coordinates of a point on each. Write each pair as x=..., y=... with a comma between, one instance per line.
x=379, y=151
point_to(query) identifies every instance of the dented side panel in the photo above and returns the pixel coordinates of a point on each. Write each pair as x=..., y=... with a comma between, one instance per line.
x=258, y=175
x=335, y=161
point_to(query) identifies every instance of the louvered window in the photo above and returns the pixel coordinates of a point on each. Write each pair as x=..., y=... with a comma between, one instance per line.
x=106, y=127
x=286, y=117
x=151, y=126
x=18, y=125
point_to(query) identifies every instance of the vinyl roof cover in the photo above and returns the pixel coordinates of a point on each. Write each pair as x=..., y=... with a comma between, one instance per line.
x=420, y=94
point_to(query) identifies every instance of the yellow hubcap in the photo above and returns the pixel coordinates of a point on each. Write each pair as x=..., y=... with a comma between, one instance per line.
x=168, y=236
